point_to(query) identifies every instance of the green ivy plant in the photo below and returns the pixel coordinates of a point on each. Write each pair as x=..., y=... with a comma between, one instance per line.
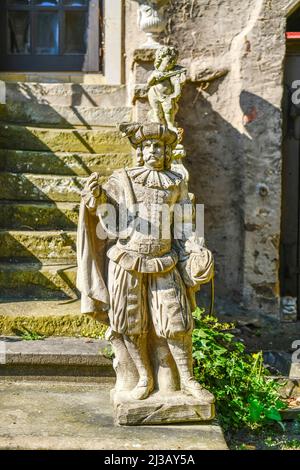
x=245, y=396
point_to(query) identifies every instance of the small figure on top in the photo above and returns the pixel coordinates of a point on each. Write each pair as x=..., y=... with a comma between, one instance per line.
x=165, y=85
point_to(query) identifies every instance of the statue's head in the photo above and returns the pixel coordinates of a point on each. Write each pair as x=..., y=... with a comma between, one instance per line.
x=154, y=144
x=165, y=58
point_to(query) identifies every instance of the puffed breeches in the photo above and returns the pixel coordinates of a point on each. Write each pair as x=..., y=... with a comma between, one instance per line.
x=137, y=299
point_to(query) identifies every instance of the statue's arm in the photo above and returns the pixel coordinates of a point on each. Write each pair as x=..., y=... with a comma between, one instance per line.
x=183, y=223
x=151, y=80
x=157, y=77
x=178, y=81
x=195, y=260
x=94, y=193
x=91, y=192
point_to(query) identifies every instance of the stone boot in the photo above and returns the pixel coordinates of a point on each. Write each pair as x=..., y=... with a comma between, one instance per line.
x=137, y=348
x=181, y=350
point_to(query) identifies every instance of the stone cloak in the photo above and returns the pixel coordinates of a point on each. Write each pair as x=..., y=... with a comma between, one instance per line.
x=91, y=262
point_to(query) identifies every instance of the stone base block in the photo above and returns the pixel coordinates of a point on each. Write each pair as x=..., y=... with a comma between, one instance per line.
x=159, y=408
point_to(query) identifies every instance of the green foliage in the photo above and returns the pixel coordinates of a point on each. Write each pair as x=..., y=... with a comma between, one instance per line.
x=291, y=444
x=108, y=353
x=245, y=396
x=28, y=335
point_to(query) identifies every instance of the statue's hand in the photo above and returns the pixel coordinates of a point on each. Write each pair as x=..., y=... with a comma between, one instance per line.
x=194, y=244
x=93, y=185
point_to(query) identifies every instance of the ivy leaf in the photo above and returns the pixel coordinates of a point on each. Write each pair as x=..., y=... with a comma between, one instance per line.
x=273, y=414
x=255, y=410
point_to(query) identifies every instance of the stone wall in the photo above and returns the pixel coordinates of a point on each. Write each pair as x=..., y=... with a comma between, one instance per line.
x=231, y=113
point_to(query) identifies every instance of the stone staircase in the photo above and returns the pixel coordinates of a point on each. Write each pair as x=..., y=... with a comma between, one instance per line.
x=52, y=136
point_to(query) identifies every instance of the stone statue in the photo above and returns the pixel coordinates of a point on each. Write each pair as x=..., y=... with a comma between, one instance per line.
x=146, y=294
x=165, y=86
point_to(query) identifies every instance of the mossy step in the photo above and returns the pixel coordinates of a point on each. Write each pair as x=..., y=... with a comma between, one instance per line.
x=54, y=246
x=59, y=163
x=99, y=140
x=37, y=281
x=38, y=216
x=28, y=187
x=47, y=318
x=63, y=116
x=66, y=94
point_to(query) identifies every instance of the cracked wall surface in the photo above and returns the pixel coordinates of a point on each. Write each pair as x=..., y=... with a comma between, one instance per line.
x=231, y=113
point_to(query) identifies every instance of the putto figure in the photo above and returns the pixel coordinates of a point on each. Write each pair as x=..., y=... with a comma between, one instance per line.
x=165, y=87
x=148, y=295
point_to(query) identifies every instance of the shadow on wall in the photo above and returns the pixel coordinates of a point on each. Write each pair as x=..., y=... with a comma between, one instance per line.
x=225, y=167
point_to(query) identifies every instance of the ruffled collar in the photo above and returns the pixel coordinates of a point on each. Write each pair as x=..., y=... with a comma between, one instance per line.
x=155, y=179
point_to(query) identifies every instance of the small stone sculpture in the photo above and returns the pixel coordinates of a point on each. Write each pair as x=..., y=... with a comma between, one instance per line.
x=165, y=87
x=151, y=20
x=148, y=295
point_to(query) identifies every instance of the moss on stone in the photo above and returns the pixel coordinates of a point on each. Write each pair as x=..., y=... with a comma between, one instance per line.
x=62, y=140
x=39, y=216
x=65, y=325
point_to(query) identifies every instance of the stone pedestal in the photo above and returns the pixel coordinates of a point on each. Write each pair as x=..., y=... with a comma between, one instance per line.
x=143, y=66
x=175, y=407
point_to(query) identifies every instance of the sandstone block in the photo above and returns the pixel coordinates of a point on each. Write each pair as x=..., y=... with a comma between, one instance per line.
x=64, y=116
x=61, y=140
x=38, y=216
x=35, y=280
x=175, y=407
x=60, y=163
x=54, y=246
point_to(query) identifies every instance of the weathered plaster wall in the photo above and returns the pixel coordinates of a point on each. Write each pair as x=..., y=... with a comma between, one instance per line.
x=232, y=133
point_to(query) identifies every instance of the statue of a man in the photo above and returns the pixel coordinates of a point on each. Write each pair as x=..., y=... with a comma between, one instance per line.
x=148, y=295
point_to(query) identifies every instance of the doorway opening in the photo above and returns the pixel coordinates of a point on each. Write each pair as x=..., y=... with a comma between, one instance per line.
x=290, y=218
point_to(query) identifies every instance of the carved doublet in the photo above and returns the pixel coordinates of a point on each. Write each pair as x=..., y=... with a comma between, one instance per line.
x=151, y=228
x=153, y=195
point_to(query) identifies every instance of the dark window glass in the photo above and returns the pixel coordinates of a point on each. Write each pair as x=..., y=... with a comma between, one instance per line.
x=47, y=33
x=46, y=3
x=74, y=3
x=75, y=32
x=18, y=2
x=293, y=22
x=18, y=32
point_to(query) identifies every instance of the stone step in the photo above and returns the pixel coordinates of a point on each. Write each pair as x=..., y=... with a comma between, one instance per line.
x=63, y=116
x=47, y=318
x=36, y=281
x=281, y=362
x=38, y=216
x=58, y=358
x=56, y=415
x=82, y=140
x=27, y=187
x=59, y=163
x=51, y=246
x=66, y=94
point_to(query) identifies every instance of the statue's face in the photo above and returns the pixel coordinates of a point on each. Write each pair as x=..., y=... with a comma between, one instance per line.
x=154, y=154
x=166, y=64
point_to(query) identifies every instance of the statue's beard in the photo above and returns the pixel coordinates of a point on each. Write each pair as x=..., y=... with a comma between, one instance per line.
x=153, y=167
x=152, y=164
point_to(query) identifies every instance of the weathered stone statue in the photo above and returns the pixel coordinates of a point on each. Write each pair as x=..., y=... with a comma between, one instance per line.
x=155, y=265
x=165, y=86
x=152, y=20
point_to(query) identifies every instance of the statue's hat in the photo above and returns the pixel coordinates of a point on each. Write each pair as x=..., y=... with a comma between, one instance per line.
x=137, y=133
